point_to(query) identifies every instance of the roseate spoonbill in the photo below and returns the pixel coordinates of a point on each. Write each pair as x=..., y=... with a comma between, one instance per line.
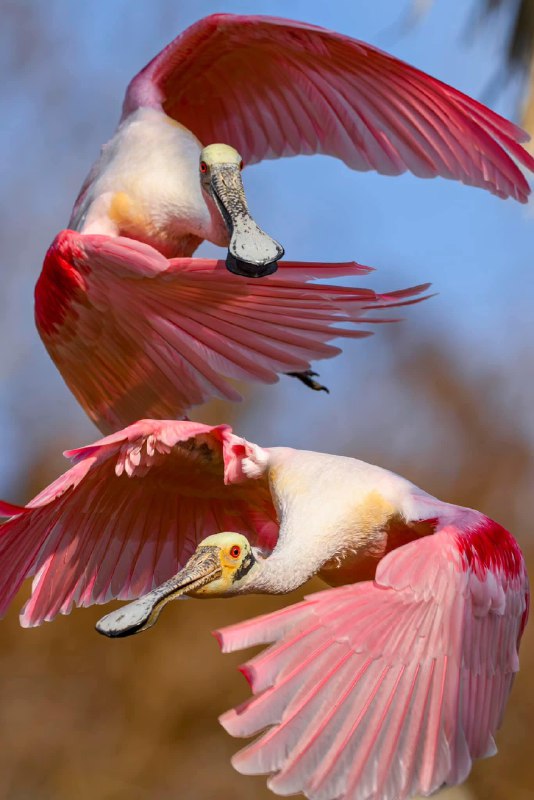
x=385, y=686
x=136, y=327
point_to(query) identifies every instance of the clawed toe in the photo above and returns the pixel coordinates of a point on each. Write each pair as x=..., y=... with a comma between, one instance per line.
x=307, y=378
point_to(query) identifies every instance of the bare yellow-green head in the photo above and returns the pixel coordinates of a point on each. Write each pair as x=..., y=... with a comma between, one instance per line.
x=235, y=557
x=215, y=154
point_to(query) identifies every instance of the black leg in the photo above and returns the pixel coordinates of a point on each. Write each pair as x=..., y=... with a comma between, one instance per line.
x=307, y=379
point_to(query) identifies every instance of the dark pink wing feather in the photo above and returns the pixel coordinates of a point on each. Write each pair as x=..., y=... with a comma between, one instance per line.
x=137, y=335
x=383, y=690
x=272, y=87
x=128, y=514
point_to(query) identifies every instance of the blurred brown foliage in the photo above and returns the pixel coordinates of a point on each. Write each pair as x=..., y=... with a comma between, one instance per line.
x=86, y=717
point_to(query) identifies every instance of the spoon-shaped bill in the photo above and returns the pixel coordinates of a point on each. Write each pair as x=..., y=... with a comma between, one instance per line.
x=203, y=567
x=251, y=252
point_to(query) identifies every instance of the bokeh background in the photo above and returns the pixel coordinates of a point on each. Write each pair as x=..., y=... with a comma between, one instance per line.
x=445, y=398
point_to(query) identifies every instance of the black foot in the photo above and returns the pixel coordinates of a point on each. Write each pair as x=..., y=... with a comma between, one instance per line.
x=307, y=379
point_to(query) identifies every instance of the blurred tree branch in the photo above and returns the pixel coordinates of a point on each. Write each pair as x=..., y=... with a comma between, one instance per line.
x=518, y=56
x=520, y=45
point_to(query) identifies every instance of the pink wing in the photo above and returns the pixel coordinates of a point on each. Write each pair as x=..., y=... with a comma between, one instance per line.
x=386, y=689
x=271, y=87
x=136, y=335
x=128, y=514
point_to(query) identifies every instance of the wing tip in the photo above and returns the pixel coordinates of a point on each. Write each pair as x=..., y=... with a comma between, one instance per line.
x=11, y=509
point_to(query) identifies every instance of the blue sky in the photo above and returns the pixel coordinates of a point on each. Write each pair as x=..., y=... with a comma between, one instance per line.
x=64, y=84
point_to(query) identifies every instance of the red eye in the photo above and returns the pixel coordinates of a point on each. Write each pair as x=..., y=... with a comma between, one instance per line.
x=241, y=165
x=203, y=167
x=235, y=551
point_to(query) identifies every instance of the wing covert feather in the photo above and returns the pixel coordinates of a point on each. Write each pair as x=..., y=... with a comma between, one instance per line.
x=274, y=87
x=128, y=514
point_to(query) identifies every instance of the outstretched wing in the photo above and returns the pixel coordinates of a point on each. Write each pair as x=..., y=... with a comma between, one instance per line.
x=129, y=514
x=387, y=689
x=137, y=335
x=272, y=87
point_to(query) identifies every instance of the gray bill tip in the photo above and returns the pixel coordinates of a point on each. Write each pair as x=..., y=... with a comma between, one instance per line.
x=125, y=621
x=248, y=270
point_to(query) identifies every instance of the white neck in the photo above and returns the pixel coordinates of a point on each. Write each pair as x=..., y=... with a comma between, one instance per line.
x=146, y=185
x=284, y=570
x=329, y=507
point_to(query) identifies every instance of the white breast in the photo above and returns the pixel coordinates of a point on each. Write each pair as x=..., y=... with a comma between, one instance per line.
x=146, y=185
